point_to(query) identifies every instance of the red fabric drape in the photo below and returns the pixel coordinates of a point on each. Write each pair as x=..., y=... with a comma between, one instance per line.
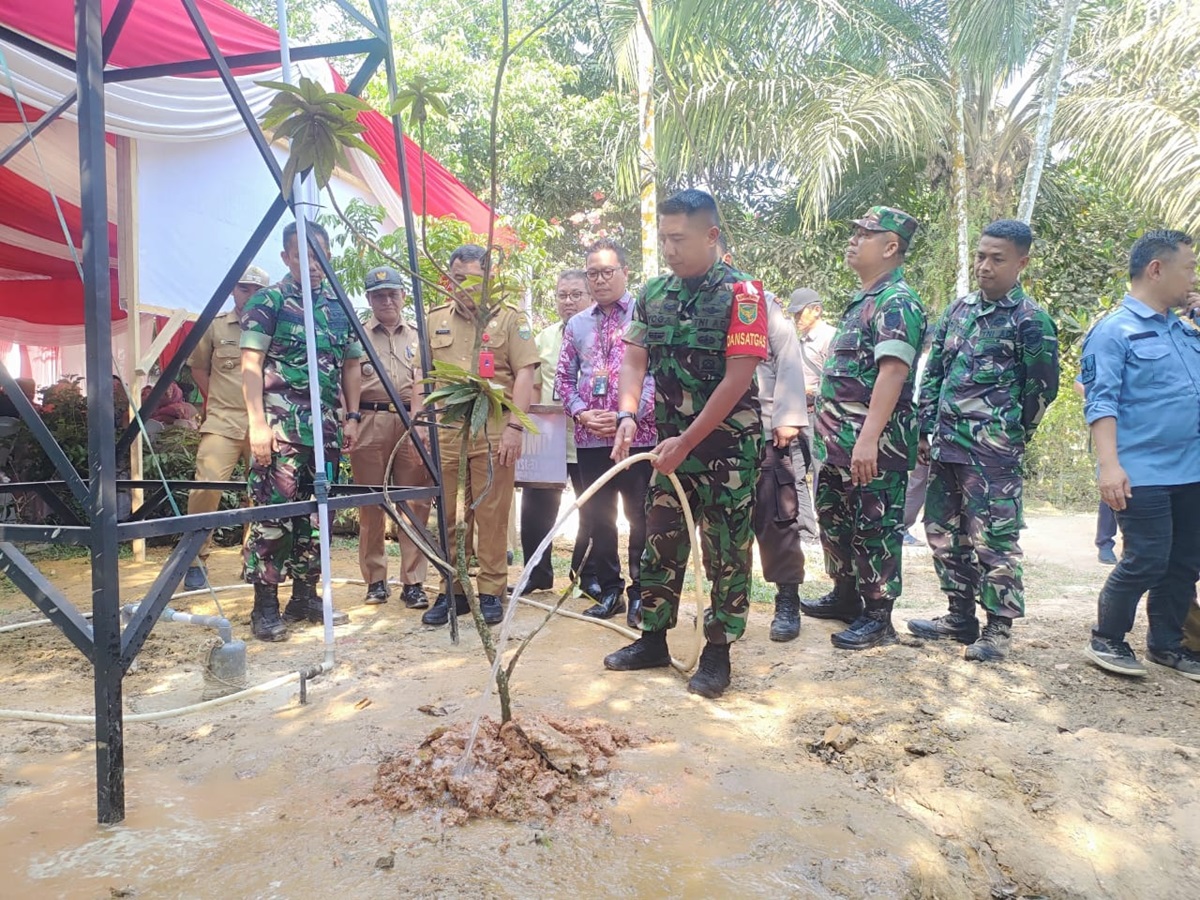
x=157, y=31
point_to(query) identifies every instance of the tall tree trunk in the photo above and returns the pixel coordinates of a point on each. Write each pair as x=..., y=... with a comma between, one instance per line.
x=646, y=150
x=959, y=171
x=1050, y=91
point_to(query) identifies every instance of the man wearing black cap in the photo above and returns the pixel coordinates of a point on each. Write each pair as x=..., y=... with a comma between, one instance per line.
x=380, y=429
x=867, y=435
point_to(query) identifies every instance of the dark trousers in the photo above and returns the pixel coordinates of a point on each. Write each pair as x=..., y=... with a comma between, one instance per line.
x=804, y=461
x=539, y=512
x=1106, y=526
x=776, y=517
x=1161, y=555
x=632, y=485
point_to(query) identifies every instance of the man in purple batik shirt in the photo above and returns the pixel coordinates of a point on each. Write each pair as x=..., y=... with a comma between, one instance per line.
x=588, y=371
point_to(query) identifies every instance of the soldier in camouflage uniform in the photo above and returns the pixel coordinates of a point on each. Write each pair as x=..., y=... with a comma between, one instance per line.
x=275, y=378
x=700, y=332
x=992, y=372
x=866, y=434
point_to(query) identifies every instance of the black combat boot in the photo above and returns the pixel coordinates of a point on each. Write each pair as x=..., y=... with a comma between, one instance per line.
x=265, y=623
x=647, y=652
x=872, y=629
x=439, y=613
x=712, y=675
x=306, y=606
x=842, y=603
x=786, y=624
x=959, y=624
x=993, y=645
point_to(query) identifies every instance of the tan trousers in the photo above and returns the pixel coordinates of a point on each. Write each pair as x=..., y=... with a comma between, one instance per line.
x=216, y=458
x=1191, y=629
x=377, y=436
x=489, y=524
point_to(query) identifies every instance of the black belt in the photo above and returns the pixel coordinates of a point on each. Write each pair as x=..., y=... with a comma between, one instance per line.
x=368, y=406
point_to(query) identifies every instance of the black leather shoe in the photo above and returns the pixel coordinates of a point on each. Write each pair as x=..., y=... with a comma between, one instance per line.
x=377, y=592
x=492, y=609
x=712, y=675
x=196, y=578
x=647, y=652
x=872, y=629
x=842, y=603
x=611, y=603
x=591, y=587
x=414, y=596
x=265, y=623
x=439, y=613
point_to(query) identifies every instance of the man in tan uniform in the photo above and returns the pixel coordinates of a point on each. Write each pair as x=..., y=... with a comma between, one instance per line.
x=380, y=429
x=216, y=366
x=508, y=357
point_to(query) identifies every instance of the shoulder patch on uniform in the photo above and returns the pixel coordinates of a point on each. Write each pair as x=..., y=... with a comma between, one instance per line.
x=893, y=319
x=524, y=332
x=1087, y=372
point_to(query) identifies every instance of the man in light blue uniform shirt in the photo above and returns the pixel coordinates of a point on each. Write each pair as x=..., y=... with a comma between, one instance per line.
x=1141, y=372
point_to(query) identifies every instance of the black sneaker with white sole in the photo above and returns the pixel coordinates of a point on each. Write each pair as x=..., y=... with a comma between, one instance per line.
x=1113, y=656
x=1184, y=661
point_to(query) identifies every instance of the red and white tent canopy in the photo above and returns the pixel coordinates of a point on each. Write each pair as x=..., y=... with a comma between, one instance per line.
x=201, y=187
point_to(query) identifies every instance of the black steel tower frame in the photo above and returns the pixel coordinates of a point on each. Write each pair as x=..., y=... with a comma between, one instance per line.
x=109, y=647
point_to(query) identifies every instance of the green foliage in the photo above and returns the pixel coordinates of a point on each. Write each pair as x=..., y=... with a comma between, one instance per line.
x=1079, y=268
x=469, y=399
x=320, y=125
x=64, y=412
x=1059, y=468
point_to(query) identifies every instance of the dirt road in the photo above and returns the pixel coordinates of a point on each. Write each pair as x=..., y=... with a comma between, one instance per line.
x=1042, y=777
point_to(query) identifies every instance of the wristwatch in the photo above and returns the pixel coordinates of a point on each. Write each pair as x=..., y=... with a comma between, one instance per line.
x=622, y=416
x=353, y=417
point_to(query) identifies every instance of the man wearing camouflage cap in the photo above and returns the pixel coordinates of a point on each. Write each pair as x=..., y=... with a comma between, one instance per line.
x=866, y=433
x=992, y=373
x=380, y=428
x=216, y=366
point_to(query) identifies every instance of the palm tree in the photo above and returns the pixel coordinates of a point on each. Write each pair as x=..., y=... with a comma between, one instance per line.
x=1134, y=106
x=815, y=96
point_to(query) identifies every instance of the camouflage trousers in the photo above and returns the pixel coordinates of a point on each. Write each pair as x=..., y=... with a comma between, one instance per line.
x=722, y=502
x=972, y=523
x=277, y=548
x=862, y=531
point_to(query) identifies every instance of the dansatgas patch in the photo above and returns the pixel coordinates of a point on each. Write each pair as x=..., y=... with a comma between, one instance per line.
x=748, y=321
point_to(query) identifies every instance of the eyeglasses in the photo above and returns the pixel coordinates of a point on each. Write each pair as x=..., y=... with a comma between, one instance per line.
x=571, y=295
x=600, y=274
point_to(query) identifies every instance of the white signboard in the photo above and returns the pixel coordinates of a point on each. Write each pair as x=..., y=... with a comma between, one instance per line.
x=543, y=461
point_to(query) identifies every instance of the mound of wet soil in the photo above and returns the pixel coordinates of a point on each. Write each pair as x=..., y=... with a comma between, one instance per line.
x=531, y=769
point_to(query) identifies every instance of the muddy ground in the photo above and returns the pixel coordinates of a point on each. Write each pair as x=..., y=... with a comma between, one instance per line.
x=1042, y=777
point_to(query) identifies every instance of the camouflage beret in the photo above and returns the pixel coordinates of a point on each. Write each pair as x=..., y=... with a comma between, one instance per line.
x=888, y=218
